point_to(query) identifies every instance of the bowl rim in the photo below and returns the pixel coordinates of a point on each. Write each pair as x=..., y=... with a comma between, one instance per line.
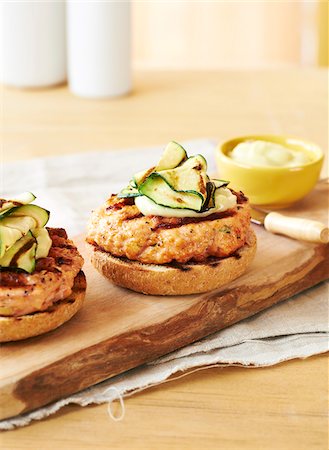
x=267, y=137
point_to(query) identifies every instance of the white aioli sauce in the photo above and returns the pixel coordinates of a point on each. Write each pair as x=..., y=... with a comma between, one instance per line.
x=268, y=154
x=224, y=199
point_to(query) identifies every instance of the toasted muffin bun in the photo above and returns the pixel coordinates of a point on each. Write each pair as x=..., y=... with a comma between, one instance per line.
x=28, y=325
x=175, y=279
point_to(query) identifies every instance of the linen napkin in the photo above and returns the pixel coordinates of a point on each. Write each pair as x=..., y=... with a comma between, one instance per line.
x=71, y=186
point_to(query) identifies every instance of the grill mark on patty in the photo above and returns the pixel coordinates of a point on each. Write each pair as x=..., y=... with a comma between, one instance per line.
x=240, y=197
x=135, y=216
x=60, y=242
x=47, y=264
x=211, y=261
x=22, y=293
x=129, y=201
x=60, y=260
x=152, y=239
x=12, y=278
x=57, y=232
x=168, y=223
x=67, y=246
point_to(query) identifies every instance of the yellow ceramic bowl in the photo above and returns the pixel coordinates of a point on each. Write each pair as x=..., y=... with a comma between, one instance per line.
x=271, y=186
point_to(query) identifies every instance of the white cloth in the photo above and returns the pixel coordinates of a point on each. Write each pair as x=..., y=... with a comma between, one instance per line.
x=71, y=186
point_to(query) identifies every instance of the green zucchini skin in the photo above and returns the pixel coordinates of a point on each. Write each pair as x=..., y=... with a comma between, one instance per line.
x=43, y=240
x=8, y=237
x=140, y=177
x=129, y=191
x=210, y=201
x=173, y=155
x=25, y=259
x=177, y=182
x=22, y=199
x=212, y=186
x=220, y=183
x=7, y=212
x=191, y=176
x=22, y=224
x=40, y=215
x=159, y=190
x=23, y=238
x=183, y=187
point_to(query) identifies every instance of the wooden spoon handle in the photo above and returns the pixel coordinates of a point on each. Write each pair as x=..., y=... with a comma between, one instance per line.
x=294, y=227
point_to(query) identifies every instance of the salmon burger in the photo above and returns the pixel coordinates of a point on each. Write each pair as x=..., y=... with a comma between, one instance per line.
x=173, y=230
x=41, y=281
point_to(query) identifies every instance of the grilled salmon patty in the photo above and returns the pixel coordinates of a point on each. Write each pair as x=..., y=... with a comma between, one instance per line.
x=23, y=293
x=119, y=228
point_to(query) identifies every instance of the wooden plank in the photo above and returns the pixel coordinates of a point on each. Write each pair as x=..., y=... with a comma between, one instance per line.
x=234, y=408
x=118, y=329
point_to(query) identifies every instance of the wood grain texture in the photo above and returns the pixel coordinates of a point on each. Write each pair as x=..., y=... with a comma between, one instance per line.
x=280, y=407
x=165, y=106
x=233, y=408
x=120, y=329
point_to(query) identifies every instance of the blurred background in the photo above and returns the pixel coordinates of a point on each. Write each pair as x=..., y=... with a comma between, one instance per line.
x=229, y=34
x=162, y=34
x=240, y=66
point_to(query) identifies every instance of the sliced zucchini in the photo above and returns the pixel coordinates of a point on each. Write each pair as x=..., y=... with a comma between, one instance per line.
x=22, y=199
x=129, y=191
x=8, y=237
x=224, y=198
x=40, y=215
x=6, y=213
x=220, y=183
x=173, y=156
x=212, y=187
x=210, y=202
x=27, y=259
x=21, y=255
x=140, y=177
x=44, y=242
x=158, y=190
x=190, y=176
x=10, y=253
x=23, y=224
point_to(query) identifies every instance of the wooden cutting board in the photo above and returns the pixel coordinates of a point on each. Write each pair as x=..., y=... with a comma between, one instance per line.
x=118, y=329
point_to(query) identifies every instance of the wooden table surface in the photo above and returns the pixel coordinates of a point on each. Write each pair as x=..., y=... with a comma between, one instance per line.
x=281, y=407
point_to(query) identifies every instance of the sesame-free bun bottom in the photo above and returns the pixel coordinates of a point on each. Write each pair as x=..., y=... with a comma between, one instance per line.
x=23, y=327
x=175, y=279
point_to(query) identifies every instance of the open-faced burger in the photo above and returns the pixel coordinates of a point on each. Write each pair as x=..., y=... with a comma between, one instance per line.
x=41, y=282
x=173, y=230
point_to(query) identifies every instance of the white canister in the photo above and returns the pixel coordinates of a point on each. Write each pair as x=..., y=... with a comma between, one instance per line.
x=33, y=43
x=98, y=33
